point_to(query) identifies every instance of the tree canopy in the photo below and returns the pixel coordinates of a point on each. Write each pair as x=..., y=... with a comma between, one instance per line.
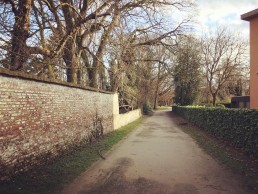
x=142, y=49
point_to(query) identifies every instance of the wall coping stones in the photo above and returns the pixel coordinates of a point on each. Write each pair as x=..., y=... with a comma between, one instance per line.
x=27, y=76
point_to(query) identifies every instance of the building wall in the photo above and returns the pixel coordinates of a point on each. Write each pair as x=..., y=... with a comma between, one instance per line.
x=254, y=63
x=38, y=120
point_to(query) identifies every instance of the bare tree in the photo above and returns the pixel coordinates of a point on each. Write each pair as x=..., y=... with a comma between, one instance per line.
x=223, y=56
x=56, y=36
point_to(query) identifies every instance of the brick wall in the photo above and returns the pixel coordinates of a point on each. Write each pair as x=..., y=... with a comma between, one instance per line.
x=254, y=62
x=38, y=120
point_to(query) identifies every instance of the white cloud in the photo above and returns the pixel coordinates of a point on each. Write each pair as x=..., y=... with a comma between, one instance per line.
x=214, y=13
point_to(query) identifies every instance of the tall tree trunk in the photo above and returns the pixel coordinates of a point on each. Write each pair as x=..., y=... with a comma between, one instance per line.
x=157, y=89
x=103, y=79
x=104, y=40
x=86, y=64
x=19, y=51
x=214, y=96
x=70, y=53
x=71, y=60
x=50, y=67
x=79, y=76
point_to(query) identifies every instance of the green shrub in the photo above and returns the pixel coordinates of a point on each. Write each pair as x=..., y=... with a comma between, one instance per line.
x=147, y=108
x=237, y=126
x=220, y=105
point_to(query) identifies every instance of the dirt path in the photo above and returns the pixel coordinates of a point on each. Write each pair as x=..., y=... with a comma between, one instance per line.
x=156, y=158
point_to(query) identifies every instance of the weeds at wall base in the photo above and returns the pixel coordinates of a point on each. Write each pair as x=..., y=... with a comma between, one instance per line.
x=52, y=177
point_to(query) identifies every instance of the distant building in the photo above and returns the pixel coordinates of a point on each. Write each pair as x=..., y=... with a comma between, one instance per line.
x=240, y=102
x=252, y=17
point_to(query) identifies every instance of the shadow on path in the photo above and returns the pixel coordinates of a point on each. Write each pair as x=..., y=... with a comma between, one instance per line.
x=156, y=158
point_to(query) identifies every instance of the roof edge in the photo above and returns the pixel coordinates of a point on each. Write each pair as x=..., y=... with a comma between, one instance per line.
x=250, y=15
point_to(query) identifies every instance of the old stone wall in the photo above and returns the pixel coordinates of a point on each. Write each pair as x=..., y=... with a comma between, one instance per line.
x=121, y=120
x=38, y=120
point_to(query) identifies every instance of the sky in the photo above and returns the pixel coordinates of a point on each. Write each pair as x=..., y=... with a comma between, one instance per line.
x=213, y=13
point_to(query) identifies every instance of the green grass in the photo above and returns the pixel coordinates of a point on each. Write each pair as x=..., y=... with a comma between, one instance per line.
x=52, y=177
x=236, y=160
x=163, y=107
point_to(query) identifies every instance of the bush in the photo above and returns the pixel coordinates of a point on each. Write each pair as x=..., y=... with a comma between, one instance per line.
x=147, y=108
x=238, y=126
x=220, y=105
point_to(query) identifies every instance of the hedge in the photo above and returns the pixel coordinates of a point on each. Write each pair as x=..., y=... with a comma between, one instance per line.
x=237, y=126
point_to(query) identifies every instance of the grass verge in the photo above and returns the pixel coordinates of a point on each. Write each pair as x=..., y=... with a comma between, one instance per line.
x=52, y=177
x=238, y=161
x=163, y=107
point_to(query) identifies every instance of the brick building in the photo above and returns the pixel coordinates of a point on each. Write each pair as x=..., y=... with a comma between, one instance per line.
x=252, y=17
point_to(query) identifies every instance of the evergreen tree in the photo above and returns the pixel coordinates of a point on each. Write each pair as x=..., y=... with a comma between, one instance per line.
x=187, y=71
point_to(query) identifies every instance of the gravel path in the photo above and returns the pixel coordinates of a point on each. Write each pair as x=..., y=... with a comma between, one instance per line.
x=156, y=158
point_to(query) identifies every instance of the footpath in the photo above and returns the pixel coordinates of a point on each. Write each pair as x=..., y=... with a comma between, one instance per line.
x=156, y=158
